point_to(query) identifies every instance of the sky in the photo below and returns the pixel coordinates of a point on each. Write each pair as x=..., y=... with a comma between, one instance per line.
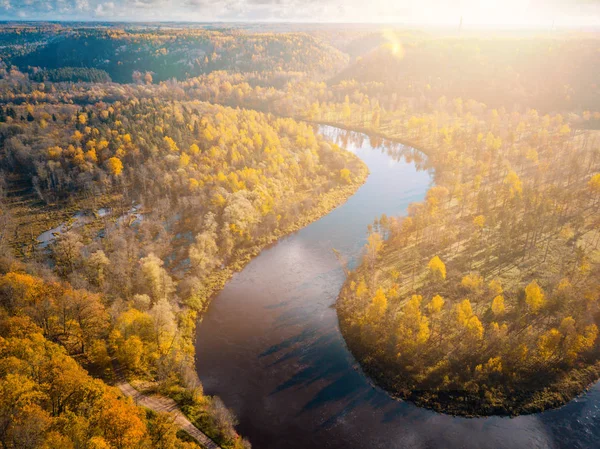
x=521, y=13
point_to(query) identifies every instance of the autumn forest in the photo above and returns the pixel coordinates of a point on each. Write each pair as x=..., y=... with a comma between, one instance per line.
x=143, y=168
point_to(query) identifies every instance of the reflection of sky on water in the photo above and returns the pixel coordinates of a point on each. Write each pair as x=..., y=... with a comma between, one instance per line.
x=392, y=185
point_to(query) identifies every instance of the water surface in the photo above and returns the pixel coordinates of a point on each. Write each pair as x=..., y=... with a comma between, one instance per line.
x=270, y=346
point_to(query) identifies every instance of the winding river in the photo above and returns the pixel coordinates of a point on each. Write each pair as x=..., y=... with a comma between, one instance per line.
x=270, y=347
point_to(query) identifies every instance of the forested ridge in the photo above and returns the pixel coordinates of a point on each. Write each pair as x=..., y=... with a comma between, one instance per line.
x=166, y=53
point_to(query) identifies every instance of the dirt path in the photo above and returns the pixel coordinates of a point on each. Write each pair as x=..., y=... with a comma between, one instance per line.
x=161, y=404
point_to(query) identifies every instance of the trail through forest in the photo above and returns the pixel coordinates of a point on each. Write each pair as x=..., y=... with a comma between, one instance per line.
x=161, y=404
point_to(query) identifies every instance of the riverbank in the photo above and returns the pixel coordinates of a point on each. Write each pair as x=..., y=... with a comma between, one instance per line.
x=474, y=377
x=464, y=403
x=326, y=203
x=216, y=281
x=287, y=345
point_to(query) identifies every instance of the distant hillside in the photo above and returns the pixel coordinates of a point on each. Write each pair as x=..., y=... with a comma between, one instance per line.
x=546, y=74
x=182, y=53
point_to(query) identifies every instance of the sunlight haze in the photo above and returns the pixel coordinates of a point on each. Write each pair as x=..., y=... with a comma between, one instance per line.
x=495, y=13
x=299, y=224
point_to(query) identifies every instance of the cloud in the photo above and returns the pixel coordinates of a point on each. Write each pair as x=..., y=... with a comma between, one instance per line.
x=104, y=9
x=82, y=5
x=144, y=4
x=398, y=11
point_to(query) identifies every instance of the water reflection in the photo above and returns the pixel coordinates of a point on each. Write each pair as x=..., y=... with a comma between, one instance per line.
x=394, y=150
x=270, y=346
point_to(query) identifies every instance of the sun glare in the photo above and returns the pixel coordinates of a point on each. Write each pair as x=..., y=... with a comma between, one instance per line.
x=393, y=43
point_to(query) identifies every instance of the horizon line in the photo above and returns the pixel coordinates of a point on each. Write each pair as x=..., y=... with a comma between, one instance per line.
x=507, y=26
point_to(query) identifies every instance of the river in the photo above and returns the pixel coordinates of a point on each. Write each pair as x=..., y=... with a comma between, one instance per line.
x=270, y=346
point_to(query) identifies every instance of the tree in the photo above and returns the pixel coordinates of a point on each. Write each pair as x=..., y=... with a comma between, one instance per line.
x=65, y=383
x=97, y=264
x=513, y=185
x=165, y=325
x=203, y=253
x=474, y=328
x=437, y=268
x=155, y=277
x=346, y=111
x=240, y=213
x=345, y=175
x=89, y=318
x=548, y=344
x=361, y=288
x=564, y=130
x=493, y=365
x=163, y=431
x=435, y=305
x=373, y=247
x=479, y=221
x=223, y=418
x=413, y=327
x=115, y=166
x=97, y=442
x=434, y=197
x=495, y=287
x=594, y=185
x=120, y=421
x=376, y=117
x=534, y=297
x=498, y=305
x=472, y=282
x=130, y=353
x=67, y=250
x=378, y=307
x=184, y=160
x=30, y=427
x=463, y=312
x=170, y=143
x=18, y=404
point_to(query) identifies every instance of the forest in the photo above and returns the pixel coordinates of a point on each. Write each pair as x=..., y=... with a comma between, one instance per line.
x=502, y=256
x=162, y=199
x=158, y=162
x=483, y=299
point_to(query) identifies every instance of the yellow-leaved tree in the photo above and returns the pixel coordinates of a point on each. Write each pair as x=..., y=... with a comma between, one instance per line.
x=413, y=327
x=437, y=268
x=378, y=307
x=435, y=305
x=115, y=166
x=534, y=297
x=498, y=305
